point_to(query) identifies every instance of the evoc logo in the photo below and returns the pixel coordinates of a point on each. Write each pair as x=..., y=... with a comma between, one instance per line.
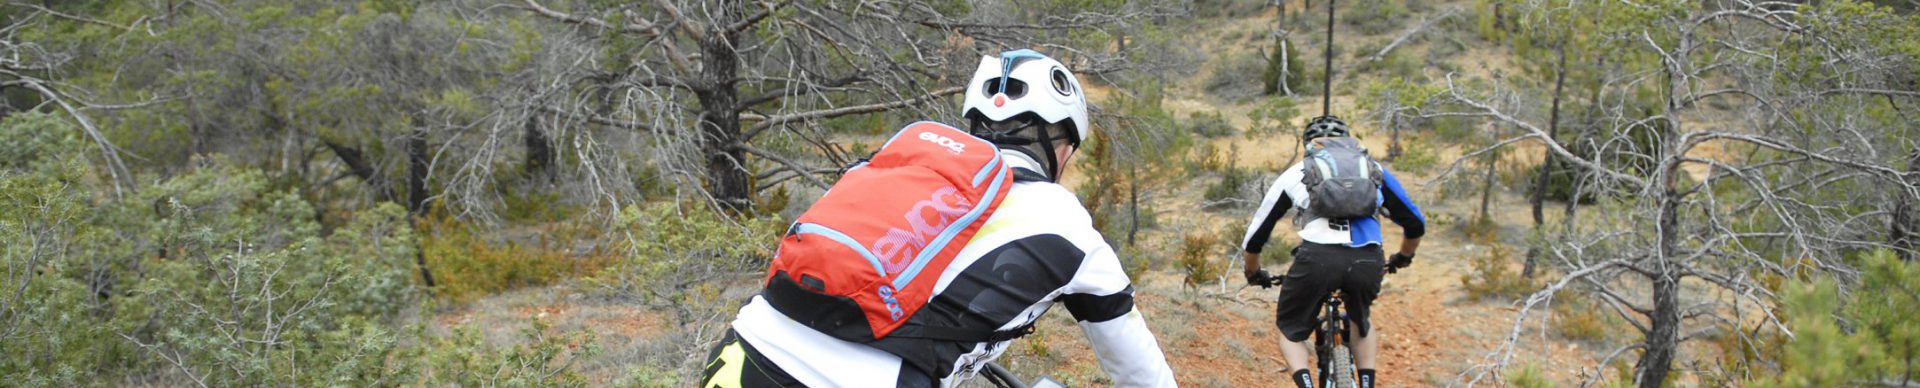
x=951, y=145
x=893, y=305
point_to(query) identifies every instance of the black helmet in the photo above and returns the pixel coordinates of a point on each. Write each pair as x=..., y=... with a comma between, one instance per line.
x=1325, y=126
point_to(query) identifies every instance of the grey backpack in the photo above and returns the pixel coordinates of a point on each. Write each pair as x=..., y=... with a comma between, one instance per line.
x=1342, y=181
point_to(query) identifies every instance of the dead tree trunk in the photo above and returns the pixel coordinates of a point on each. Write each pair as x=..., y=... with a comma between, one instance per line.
x=1663, y=335
x=1486, y=190
x=1901, y=233
x=1393, y=129
x=1546, y=163
x=719, y=124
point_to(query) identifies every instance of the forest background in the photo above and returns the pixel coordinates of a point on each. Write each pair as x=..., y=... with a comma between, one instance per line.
x=581, y=192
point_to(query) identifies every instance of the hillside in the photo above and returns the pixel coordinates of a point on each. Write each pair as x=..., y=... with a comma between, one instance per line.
x=582, y=192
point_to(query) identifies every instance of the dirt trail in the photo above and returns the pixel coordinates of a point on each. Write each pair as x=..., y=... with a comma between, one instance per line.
x=1216, y=334
x=1432, y=332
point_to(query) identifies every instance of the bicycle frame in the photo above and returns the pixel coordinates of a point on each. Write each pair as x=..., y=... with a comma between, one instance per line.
x=1329, y=338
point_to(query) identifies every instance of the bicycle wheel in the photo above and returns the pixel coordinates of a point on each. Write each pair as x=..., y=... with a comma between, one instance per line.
x=1343, y=373
x=1001, y=377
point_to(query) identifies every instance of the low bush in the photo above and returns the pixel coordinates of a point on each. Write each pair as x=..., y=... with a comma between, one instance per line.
x=467, y=264
x=1491, y=276
x=1236, y=76
x=1579, y=319
x=677, y=256
x=1199, y=261
x=1415, y=156
x=544, y=358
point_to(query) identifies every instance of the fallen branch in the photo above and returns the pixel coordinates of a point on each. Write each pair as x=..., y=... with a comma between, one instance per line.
x=1407, y=36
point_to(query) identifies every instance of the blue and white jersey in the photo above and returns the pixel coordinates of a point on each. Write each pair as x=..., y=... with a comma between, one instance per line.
x=1288, y=192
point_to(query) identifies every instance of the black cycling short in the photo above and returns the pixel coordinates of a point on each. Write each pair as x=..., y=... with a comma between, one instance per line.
x=1318, y=269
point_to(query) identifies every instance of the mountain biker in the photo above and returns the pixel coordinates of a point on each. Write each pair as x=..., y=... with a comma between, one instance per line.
x=1037, y=248
x=1334, y=254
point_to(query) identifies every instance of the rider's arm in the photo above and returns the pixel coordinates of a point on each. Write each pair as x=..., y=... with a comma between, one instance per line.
x=1402, y=210
x=1100, y=298
x=1273, y=206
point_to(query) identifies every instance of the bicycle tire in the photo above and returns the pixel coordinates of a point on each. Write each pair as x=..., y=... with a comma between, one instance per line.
x=1000, y=377
x=1343, y=373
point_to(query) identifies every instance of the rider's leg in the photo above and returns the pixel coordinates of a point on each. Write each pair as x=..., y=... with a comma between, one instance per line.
x=1366, y=350
x=1296, y=355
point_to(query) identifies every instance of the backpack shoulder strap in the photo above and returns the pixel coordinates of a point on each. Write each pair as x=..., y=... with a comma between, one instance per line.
x=957, y=334
x=1022, y=174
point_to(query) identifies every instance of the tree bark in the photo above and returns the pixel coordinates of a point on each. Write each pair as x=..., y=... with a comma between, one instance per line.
x=1486, y=191
x=1499, y=23
x=1901, y=233
x=357, y=164
x=539, y=149
x=417, y=194
x=1663, y=336
x=1546, y=163
x=719, y=124
x=417, y=160
x=1393, y=129
x=1579, y=183
x=1133, y=202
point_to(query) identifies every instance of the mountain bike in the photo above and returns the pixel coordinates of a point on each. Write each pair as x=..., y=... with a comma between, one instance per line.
x=1330, y=339
x=1002, y=378
x=1330, y=345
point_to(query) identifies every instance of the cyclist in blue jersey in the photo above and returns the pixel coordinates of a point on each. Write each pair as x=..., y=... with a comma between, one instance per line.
x=1334, y=254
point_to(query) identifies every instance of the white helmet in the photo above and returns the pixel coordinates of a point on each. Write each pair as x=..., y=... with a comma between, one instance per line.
x=1025, y=81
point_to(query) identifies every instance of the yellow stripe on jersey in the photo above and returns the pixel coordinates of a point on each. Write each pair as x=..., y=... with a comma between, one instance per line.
x=733, y=362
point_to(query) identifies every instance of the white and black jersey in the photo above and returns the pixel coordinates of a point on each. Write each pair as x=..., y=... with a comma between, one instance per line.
x=1038, y=248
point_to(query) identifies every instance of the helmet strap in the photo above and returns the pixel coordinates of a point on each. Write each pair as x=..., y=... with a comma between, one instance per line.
x=1046, y=148
x=1032, y=139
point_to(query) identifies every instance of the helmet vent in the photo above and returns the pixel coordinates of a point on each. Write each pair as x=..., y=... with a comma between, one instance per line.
x=1061, y=83
x=1014, y=88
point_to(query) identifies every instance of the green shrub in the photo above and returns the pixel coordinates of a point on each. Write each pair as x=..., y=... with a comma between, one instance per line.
x=1415, y=156
x=1377, y=16
x=675, y=254
x=545, y=358
x=1560, y=181
x=1577, y=318
x=1209, y=124
x=1529, y=376
x=1230, y=191
x=1198, y=259
x=209, y=277
x=1491, y=276
x=1235, y=76
x=468, y=265
x=1283, y=64
x=1841, y=339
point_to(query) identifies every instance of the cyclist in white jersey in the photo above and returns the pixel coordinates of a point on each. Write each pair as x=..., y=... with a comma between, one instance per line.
x=1038, y=248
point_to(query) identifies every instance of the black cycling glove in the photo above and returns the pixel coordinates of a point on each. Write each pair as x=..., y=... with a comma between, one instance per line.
x=1260, y=278
x=1398, y=261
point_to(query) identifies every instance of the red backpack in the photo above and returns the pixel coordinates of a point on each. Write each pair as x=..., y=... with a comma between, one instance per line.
x=866, y=256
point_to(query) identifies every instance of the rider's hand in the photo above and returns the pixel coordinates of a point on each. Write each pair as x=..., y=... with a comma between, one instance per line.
x=1259, y=278
x=1398, y=261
